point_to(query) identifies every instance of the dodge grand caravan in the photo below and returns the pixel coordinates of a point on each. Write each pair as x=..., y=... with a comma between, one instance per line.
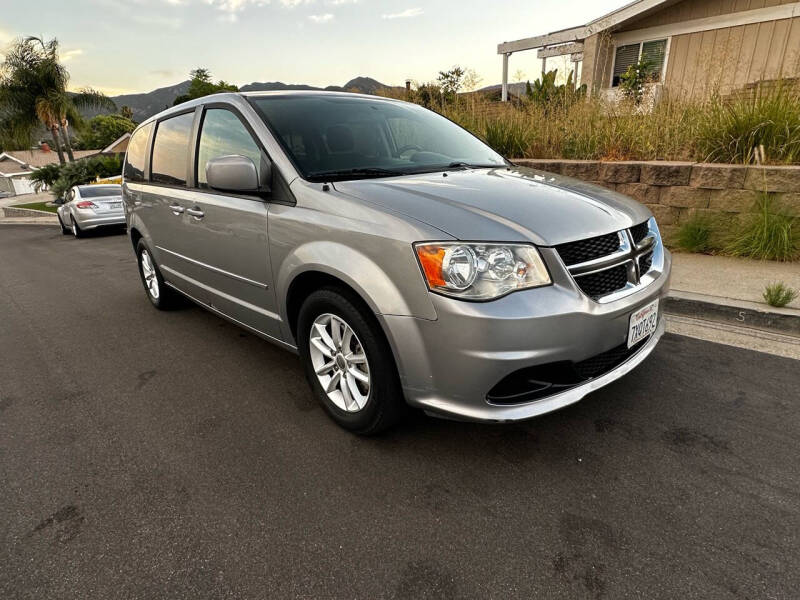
x=401, y=257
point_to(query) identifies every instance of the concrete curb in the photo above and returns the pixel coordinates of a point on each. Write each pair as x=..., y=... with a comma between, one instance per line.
x=737, y=313
x=23, y=221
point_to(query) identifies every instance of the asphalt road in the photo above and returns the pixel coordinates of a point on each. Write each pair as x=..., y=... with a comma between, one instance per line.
x=172, y=455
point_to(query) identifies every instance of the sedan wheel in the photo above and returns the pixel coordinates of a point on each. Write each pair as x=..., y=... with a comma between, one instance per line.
x=340, y=363
x=64, y=229
x=76, y=230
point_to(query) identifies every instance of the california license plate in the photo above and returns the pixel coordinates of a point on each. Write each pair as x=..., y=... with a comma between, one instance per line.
x=642, y=323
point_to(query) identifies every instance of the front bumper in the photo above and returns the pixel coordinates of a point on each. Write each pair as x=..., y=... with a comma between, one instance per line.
x=448, y=366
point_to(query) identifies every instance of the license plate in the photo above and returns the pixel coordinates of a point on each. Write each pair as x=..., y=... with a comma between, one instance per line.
x=642, y=323
x=115, y=205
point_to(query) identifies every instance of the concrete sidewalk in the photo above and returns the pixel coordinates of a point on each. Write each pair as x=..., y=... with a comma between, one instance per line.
x=720, y=299
x=731, y=279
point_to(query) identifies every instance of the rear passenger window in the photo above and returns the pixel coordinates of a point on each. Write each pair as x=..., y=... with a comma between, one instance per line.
x=137, y=149
x=223, y=134
x=171, y=150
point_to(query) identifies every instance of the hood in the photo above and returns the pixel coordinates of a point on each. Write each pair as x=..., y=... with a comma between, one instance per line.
x=508, y=205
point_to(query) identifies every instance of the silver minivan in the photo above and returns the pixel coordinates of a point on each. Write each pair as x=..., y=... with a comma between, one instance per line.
x=404, y=260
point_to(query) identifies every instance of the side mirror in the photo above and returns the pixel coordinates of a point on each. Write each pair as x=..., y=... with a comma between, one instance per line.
x=235, y=173
x=58, y=201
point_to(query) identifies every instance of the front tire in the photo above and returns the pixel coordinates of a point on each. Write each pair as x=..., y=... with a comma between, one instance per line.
x=64, y=229
x=348, y=362
x=160, y=295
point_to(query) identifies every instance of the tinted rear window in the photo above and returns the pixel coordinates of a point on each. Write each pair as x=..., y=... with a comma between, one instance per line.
x=171, y=150
x=134, y=158
x=98, y=191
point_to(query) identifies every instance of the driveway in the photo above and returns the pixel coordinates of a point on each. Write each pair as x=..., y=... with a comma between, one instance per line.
x=147, y=454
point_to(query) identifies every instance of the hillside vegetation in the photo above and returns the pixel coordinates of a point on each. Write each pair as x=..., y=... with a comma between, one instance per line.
x=761, y=125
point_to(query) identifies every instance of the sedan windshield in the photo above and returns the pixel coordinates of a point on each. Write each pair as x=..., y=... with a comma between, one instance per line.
x=338, y=137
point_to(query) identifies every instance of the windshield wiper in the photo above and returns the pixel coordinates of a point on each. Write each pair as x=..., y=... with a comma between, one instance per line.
x=357, y=172
x=465, y=165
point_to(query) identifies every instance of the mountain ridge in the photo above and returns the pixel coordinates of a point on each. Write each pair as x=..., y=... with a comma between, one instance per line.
x=146, y=104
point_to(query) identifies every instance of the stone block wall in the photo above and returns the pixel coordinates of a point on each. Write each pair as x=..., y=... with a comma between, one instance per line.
x=676, y=191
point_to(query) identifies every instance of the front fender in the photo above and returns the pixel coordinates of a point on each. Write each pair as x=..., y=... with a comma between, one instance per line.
x=375, y=286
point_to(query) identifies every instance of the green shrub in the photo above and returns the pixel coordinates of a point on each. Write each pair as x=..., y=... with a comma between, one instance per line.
x=85, y=171
x=694, y=235
x=779, y=294
x=45, y=176
x=736, y=130
x=766, y=235
x=633, y=81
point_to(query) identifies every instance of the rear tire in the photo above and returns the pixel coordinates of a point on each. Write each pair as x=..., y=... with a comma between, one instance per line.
x=76, y=229
x=367, y=397
x=160, y=295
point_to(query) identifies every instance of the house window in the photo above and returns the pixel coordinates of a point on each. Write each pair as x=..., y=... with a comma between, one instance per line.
x=653, y=53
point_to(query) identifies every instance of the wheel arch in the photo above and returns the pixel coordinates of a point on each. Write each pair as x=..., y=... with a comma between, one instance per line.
x=136, y=235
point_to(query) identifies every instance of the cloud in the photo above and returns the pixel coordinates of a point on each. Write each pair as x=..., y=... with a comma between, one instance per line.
x=234, y=6
x=321, y=18
x=155, y=20
x=68, y=55
x=293, y=3
x=340, y=2
x=406, y=14
x=162, y=72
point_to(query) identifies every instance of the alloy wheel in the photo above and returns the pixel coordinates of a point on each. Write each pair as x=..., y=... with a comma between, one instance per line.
x=149, y=273
x=340, y=362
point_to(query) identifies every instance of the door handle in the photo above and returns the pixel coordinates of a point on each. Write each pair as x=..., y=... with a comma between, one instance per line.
x=176, y=209
x=195, y=212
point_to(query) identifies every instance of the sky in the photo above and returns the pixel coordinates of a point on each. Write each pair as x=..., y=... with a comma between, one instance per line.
x=129, y=46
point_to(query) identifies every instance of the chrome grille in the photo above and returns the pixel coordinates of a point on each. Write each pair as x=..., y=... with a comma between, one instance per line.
x=645, y=262
x=612, y=265
x=573, y=253
x=602, y=283
x=639, y=232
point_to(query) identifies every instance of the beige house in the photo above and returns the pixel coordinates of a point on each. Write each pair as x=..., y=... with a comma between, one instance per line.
x=16, y=167
x=694, y=47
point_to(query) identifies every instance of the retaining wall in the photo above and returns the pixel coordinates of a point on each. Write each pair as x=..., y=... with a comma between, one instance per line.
x=676, y=191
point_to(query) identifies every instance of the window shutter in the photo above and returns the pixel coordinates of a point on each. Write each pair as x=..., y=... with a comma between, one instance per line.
x=653, y=53
x=626, y=56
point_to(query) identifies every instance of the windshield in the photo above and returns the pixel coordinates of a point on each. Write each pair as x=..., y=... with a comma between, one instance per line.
x=338, y=137
x=98, y=191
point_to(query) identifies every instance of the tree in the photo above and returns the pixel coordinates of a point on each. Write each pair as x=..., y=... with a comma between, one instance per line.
x=126, y=112
x=202, y=85
x=100, y=131
x=451, y=82
x=33, y=91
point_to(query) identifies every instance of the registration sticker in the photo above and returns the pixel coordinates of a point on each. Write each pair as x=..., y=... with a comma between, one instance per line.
x=642, y=323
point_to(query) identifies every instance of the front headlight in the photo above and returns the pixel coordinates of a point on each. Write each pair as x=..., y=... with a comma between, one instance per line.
x=480, y=271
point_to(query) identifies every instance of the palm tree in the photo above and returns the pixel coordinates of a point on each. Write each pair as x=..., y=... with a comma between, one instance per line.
x=33, y=91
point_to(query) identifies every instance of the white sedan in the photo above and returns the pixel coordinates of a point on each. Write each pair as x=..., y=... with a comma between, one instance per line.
x=87, y=207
